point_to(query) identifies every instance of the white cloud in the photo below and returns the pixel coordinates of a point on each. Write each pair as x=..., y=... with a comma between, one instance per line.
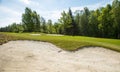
x=8, y=10
x=30, y=2
x=26, y=1
x=91, y=7
x=33, y=3
x=7, y=21
x=9, y=16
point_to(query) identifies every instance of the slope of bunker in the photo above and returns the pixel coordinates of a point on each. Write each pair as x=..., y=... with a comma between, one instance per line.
x=33, y=56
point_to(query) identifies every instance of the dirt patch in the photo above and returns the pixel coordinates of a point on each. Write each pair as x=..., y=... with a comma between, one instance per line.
x=33, y=56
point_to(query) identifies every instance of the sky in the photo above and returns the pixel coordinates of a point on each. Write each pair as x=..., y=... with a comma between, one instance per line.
x=12, y=10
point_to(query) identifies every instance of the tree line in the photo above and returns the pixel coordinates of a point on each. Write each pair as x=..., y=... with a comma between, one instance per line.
x=103, y=22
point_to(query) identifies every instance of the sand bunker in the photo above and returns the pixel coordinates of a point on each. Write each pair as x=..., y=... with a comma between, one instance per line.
x=54, y=35
x=35, y=34
x=33, y=56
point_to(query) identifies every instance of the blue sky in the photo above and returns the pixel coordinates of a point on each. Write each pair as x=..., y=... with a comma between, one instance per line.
x=11, y=10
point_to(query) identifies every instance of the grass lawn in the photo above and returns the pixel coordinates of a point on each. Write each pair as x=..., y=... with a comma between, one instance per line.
x=65, y=42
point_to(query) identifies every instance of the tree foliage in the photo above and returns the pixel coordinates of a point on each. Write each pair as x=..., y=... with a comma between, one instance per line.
x=31, y=20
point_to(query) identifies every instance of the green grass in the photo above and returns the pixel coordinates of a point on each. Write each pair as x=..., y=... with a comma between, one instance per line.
x=70, y=43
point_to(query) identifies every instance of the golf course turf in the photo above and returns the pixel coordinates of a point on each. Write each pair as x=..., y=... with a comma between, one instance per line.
x=70, y=43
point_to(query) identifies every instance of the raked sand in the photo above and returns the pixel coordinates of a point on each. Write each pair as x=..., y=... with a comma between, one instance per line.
x=34, y=56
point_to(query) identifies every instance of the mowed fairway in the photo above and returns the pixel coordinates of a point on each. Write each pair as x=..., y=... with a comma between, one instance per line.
x=68, y=42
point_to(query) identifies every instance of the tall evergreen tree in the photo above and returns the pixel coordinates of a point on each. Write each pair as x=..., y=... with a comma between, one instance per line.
x=49, y=26
x=43, y=25
x=106, y=21
x=93, y=24
x=78, y=14
x=84, y=22
x=116, y=17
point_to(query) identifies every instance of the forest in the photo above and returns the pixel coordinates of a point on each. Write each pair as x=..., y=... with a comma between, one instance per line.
x=103, y=22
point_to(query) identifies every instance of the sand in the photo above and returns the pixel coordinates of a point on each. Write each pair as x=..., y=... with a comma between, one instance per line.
x=35, y=34
x=54, y=35
x=34, y=56
x=47, y=34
